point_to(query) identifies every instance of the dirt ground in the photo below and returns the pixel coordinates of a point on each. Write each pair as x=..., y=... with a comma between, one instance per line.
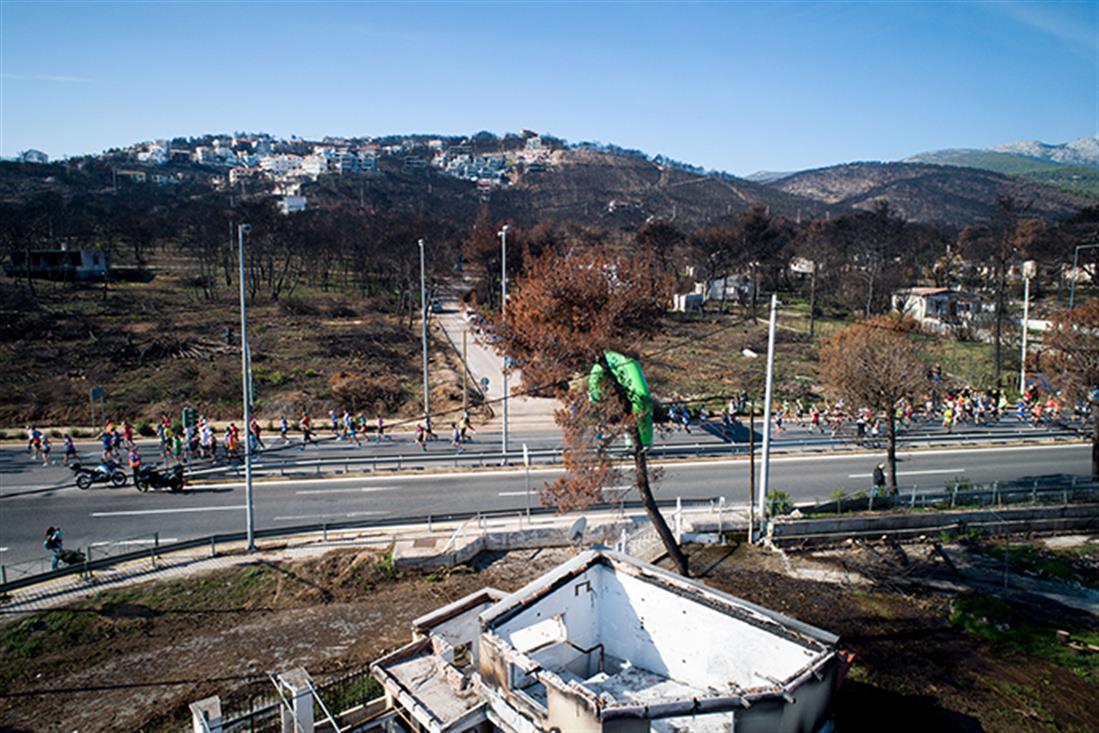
x=928, y=659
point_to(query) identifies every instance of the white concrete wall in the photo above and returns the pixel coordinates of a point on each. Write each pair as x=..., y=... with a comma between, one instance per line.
x=577, y=604
x=689, y=642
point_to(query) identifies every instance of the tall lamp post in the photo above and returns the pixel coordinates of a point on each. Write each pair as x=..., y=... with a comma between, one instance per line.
x=423, y=334
x=1030, y=268
x=768, y=392
x=503, y=312
x=247, y=396
x=1075, y=271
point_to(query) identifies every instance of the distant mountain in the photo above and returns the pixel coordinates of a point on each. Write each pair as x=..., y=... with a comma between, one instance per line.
x=1072, y=166
x=944, y=194
x=1084, y=151
x=767, y=176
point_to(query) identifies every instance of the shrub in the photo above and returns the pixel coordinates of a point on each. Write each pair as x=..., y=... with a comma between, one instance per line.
x=80, y=433
x=779, y=502
x=145, y=429
x=55, y=433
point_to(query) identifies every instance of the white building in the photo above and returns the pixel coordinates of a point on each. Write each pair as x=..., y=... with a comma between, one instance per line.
x=291, y=205
x=314, y=165
x=607, y=643
x=280, y=164
x=33, y=156
x=936, y=307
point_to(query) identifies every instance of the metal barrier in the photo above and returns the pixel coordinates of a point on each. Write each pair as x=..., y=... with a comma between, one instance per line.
x=482, y=459
x=212, y=541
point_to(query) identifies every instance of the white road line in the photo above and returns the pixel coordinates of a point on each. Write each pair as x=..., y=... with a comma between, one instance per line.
x=534, y=490
x=674, y=464
x=135, y=542
x=3, y=549
x=362, y=490
x=349, y=515
x=911, y=473
x=184, y=510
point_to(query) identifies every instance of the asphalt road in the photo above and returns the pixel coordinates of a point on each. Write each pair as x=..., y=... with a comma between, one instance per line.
x=18, y=473
x=103, y=514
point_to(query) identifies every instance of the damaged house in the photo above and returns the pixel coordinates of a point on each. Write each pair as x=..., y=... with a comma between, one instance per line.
x=607, y=643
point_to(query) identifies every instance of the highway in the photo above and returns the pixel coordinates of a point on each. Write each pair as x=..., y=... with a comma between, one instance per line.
x=19, y=474
x=105, y=514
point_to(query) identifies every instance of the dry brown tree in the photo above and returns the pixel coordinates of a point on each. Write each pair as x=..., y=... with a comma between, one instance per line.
x=874, y=364
x=1072, y=345
x=568, y=310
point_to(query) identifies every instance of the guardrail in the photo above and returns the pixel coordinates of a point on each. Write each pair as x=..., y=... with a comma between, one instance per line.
x=455, y=459
x=212, y=541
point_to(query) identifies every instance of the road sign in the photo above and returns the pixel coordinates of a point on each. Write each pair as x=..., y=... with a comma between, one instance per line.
x=97, y=393
x=484, y=383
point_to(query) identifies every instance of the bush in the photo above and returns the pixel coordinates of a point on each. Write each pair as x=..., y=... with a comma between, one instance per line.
x=80, y=433
x=779, y=502
x=361, y=391
x=145, y=429
x=55, y=433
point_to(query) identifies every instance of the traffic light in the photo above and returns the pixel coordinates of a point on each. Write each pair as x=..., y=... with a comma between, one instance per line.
x=187, y=417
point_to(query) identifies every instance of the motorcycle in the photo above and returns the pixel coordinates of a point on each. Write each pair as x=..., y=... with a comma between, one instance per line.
x=104, y=473
x=149, y=478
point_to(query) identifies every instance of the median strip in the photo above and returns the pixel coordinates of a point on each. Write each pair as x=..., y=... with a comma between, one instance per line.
x=184, y=510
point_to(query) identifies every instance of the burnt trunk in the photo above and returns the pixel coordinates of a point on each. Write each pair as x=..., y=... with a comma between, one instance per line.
x=641, y=476
x=891, y=450
x=997, y=336
x=1095, y=441
x=641, y=473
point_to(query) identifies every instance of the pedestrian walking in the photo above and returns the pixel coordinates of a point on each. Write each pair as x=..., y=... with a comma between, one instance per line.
x=456, y=438
x=879, y=480
x=135, y=463
x=421, y=437
x=45, y=450
x=54, y=543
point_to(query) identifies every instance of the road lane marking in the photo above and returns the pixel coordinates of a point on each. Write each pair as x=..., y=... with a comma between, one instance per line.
x=911, y=473
x=135, y=542
x=349, y=515
x=183, y=510
x=535, y=490
x=362, y=490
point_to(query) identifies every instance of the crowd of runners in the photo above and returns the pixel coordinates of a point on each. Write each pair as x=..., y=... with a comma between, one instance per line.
x=201, y=440
x=178, y=444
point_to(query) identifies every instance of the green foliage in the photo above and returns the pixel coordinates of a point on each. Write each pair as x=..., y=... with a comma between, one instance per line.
x=386, y=567
x=55, y=433
x=779, y=502
x=997, y=621
x=80, y=433
x=145, y=429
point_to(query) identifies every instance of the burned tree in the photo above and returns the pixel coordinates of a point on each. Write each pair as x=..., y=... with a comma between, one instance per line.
x=571, y=312
x=874, y=364
x=1072, y=343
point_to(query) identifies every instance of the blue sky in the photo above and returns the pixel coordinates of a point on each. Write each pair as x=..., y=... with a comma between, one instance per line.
x=738, y=86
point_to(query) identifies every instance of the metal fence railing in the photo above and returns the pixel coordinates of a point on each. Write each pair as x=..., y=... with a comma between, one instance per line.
x=255, y=707
x=271, y=464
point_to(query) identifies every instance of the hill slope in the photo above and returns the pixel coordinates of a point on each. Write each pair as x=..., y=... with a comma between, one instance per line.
x=950, y=195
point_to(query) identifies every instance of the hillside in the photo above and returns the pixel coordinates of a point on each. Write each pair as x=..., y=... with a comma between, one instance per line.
x=624, y=191
x=1075, y=178
x=949, y=195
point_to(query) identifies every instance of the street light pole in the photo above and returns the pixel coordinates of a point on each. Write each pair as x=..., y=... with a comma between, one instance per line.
x=423, y=334
x=503, y=312
x=1026, y=323
x=765, y=468
x=1075, y=272
x=246, y=388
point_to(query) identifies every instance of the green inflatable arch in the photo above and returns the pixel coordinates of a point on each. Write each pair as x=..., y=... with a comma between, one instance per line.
x=628, y=373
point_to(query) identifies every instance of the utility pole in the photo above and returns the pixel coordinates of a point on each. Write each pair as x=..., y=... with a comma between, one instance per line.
x=1029, y=269
x=1076, y=272
x=503, y=312
x=246, y=387
x=765, y=470
x=423, y=334
x=751, y=468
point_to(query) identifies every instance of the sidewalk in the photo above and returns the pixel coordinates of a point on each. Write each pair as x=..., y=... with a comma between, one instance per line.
x=413, y=545
x=483, y=362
